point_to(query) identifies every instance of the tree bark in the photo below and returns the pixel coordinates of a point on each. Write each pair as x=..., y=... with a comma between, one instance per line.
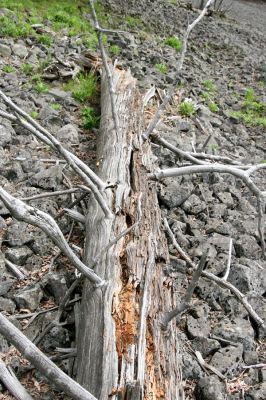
x=122, y=351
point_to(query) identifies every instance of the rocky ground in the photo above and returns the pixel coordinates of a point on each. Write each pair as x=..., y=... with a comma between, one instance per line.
x=226, y=57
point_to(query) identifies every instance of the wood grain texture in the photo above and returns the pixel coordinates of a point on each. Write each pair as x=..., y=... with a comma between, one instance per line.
x=122, y=351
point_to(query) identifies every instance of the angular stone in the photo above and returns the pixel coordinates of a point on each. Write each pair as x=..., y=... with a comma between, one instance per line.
x=205, y=345
x=18, y=255
x=3, y=228
x=49, y=178
x=5, y=51
x=56, y=286
x=20, y=50
x=19, y=233
x=257, y=392
x=5, y=135
x=190, y=367
x=193, y=205
x=7, y=305
x=228, y=359
x=247, y=279
x=210, y=388
x=238, y=331
x=68, y=134
x=29, y=298
x=4, y=287
x=247, y=246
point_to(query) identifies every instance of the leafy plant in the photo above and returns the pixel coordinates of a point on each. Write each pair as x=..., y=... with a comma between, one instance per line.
x=8, y=68
x=90, y=118
x=187, y=108
x=14, y=27
x=213, y=107
x=174, y=42
x=114, y=50
x=45, y=39
x=83, y=87
x=41, y=87
x=253, y=111
x=133, y=22
x=161, y=67
x=209, y=85
x=91, y=41
x=34, y=114
x=56, y=106
x=205, y=95
x=27, y=69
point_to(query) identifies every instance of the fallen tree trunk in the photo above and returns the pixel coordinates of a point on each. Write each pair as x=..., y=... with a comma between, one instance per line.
x=122, y=351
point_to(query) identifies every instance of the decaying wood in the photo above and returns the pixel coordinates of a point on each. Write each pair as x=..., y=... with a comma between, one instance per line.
x=12, y=384
x=122, y=352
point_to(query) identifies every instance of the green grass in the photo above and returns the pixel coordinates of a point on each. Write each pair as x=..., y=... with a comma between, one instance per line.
x=187, y=108
x=174, y=42
x=133, y=22
x=213, y=107
x=27, y=69
x=90, y=118
x=34, y=114
x=114, y=50
x=82, y=88
x=8, y=68
x=45, y=39
x=41, y=87
x=253, y=111
x=161, y=68
x=205, y=96
x=209, y=85
x=56, y=106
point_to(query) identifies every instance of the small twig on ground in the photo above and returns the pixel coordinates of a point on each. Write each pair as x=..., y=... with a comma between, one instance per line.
x=185, y=304
x=15, y=270
x=226, y=274
x=12, y=384
x=219, y=281
x=254, y=366
x=50, y=194
x=204, y=365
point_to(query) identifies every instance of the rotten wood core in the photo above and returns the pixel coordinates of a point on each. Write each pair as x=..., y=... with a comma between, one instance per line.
x=122, y=351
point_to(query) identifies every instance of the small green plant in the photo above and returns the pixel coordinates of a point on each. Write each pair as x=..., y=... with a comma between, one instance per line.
x=91, y=41
x=27, y=69
x=187, y=108
x=14, y=27
x=162, y=68
x=41, y=87
x=56, y=106
x=34, y=114
x=90, y=118
x=209, y=85
x=45, y=39
x=133, y=22
x=114, y=50
x=253, y=111
x=213, y=107
x=205, y=95
x=82, y=88
x=8, y=68
x=174, y=42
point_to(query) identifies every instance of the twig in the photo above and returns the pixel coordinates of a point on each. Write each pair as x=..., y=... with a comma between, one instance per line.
x=208, y=366
x=46, y=223
x=12, y=384
x=254, y=366
x=42, y=362
x=188, y=296
x=219, y=281
x=50, y=194
x=171, y=92
x=229, y=260
x=15, y=270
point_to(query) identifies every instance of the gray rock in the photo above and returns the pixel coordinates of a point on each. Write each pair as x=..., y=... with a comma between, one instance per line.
x=13, y=172
x=3, y=346
x=173, y=195
x=59, y=95
x=250, y=357
x=210, y=388
x=20, y=50
x=190, y=367
x=42, y=245
x=56, y=286
x=205, y=345
x=226, y=198
x=4, y=287
x=258, y=392
x=68, y=134
x=238, y=331
x=228, y=359
x=7, y=305
x=29, y=298
x=19, y=233
x=247, y=279
x=5, y=135
x=5, y=51
x=49, y=178
x=18, y=255
x=193, y=205
x=197, y=327
x=247, y=246
x=3, y=228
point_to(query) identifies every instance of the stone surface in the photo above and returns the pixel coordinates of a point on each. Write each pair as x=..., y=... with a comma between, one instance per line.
x=29, y=298
x=5, y=51
x=210, y=388
x=7, y=305
x=18, y=255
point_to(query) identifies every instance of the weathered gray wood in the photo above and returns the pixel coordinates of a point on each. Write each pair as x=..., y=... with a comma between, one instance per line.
x=13, y=384
x=122, y=352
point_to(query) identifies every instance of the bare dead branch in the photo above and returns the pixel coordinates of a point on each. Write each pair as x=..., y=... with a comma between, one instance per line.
x=46, y=223
x=203, y=364
x=12, y=384
x=50, y=194
x=226, y=274
x=41, y=362
x=185, y=304
x=171, y=92
x=220, y=282
x=254, y=366
x=15, y=270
